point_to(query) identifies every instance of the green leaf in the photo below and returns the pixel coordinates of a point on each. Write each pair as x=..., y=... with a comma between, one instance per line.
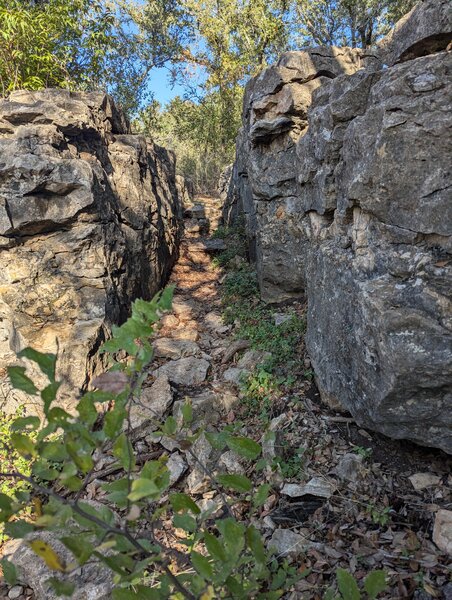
x=234, y=536
x=235, y=587
x=20, y=381
x=25, y=423
x=143, y=488
x=61, y=588
x=170, y=426
x=86, y=410
x=9, y=571
x=119, y=563
x=187, y=413
x=123, y=451
x=42, y=470
x=117, y=491
x=80, y=547
x=5, y=502
x=235, y=482
x=81, y=458
x=165, y=300
x=375, y=583
x=49, y=393
x=202, y=565
x=139, y=592
x=113, y=422
x=214, y=547
x=184, y=502
x=217, y=440
x=347, y=585
x=255, y=544
x=46, y=362
x=74, y=484
x=54, y=451
x=185, y=522
x=23, y=444
x=244, y=446
x=18, y=529
x=260, y=497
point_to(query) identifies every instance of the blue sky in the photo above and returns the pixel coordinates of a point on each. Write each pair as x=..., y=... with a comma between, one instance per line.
x=160, y=85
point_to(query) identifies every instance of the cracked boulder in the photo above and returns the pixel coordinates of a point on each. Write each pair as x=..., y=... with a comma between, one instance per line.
x=351, y=207
x=377, y=189
x=90, y=219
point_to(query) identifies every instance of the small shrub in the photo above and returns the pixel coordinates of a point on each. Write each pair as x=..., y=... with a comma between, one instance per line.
x=225, y=558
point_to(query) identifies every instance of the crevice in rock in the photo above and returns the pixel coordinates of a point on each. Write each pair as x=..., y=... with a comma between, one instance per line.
x=430, y=45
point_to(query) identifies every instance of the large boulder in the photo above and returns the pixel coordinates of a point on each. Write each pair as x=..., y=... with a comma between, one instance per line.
x=265, y=177
x=425, y=30
x=356, y=213
x=90, y=218
x=377, y=262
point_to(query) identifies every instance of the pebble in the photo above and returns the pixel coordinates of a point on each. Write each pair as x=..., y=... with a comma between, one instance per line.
x=15, y=592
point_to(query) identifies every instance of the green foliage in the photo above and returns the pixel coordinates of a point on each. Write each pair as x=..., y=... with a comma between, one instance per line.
x=290, y=462
x=379, y=515
x=355, y=23
x=364, y=452
x=198, y=134
x=374, y=584
x=55, y=456
x=258, y=391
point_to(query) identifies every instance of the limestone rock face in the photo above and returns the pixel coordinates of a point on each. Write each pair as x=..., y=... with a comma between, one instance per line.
x=90, y=218
x=265, y=177
x=425, y=30
x=356, y=212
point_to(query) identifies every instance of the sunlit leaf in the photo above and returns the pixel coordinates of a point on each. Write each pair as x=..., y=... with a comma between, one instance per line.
x=48, y=555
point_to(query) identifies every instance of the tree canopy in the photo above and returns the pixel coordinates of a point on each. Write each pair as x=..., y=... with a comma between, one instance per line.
x=211, y=48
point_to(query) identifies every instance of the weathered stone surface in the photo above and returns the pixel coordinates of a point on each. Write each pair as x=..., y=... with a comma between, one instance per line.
x=92, y=581
x=377, y=270
x=170, y=348
x=264, y=181
x=349, y=467
x=424, y=30
x=317, y=486
x=442, y=531
x=351, y=206
x=185, y=371
x=285, y=542
x=90, y=219
x=153, y=403
x=176, y=466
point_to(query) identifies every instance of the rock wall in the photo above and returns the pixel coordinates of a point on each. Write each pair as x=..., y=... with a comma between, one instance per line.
x=346, y=159
x=90, y=218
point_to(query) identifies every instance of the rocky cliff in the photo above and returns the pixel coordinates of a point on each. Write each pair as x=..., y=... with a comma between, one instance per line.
x=90, y=218
x=343, y=175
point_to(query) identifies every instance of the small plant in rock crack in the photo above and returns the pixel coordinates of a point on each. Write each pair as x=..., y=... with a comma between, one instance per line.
x=379, y=515
x=225, y=558
x=364, y=452
x=258, y=391
x=290, y=463
x=348, y=588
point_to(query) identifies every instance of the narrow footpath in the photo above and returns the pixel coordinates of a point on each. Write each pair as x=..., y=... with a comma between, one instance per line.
x=340, y=496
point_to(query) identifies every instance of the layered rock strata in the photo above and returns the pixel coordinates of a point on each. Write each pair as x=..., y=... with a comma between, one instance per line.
x=349, y=195
x=90, y=218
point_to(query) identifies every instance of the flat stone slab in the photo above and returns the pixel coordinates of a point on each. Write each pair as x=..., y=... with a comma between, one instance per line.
x=185, y=371
x=175, y=348
x=154, y=402
x=317, y=486
x=285, y=542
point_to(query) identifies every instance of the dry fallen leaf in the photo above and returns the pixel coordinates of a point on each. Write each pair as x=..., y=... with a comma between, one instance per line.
x=113, y=381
